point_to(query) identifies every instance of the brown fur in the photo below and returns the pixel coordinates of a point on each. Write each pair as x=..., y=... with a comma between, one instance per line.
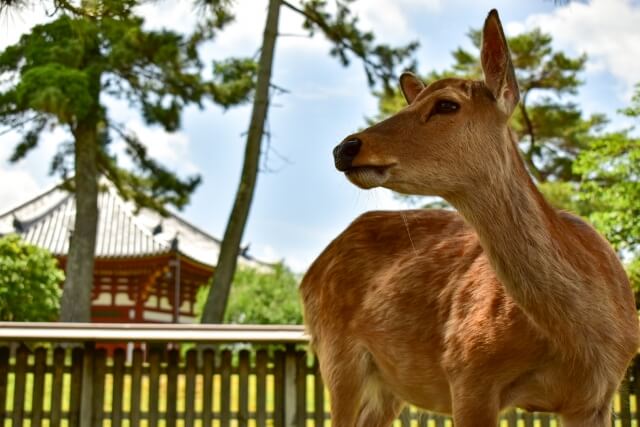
x=506, y=303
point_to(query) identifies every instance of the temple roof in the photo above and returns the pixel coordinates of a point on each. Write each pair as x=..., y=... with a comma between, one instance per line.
x=47, y=221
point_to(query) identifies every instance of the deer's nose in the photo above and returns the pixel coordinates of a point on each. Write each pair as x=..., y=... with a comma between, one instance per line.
x=345, y=152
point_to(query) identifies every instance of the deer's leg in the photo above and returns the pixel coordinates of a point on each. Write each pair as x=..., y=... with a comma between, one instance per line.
x=474, y=405
x=379, y=406
x=344, y=373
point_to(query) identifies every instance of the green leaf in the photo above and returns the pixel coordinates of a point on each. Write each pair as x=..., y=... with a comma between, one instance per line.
x=260, y=296
x=30, y=282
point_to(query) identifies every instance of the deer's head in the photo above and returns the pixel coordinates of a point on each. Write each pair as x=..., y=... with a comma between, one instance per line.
x=451, y=134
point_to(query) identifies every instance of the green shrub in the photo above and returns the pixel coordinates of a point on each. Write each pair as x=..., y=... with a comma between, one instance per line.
x=29, y=282
x=260, y=297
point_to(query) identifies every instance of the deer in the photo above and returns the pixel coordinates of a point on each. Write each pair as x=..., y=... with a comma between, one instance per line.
x=505, y=302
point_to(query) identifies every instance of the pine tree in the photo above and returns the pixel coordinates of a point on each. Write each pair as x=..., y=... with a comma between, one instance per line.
x=610, y=187
x=58, y=75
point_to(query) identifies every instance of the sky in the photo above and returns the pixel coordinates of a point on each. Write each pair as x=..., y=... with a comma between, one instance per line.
x=301, y=201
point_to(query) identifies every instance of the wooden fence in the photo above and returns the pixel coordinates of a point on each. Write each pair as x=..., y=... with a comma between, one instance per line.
x=57, y=375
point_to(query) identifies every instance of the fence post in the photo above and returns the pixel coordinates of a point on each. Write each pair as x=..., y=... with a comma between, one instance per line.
x=37, y=402
x=19, y=388
x=625, y=406
x=86, y=399
x=4, y=380
x=636, y=386
x=512, y=418
x=318, y=392
x=290, y=387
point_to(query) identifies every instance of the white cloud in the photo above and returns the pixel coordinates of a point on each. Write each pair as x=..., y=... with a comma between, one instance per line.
x=14, y=23
x=298, y=261
x=266, y=253
x=27, y=178
x=606, y=30
x=514, y=28
x=390, y=18
x=244, y=35
x=11, y=194
x=174, y=15
x=171, y=149
x=387, y=17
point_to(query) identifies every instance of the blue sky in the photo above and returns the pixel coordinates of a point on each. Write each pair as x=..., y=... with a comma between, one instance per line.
x=299, y=208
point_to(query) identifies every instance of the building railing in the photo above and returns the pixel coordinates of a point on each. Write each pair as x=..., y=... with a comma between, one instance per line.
x=90, y=375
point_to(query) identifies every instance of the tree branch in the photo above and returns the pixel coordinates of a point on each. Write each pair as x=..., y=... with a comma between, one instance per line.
x=19, y=124
x=532, y=138
x=341, y=42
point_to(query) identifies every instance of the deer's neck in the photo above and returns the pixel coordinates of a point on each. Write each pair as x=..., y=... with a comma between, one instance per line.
x=520, y=233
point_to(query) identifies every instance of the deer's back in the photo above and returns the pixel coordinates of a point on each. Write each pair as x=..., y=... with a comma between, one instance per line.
x=419, y=295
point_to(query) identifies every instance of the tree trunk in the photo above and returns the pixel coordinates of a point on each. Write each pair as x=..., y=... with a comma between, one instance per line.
x=76, y=295
x=230, y=247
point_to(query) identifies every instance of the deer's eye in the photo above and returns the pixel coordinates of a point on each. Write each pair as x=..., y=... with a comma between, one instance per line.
x=445, y=107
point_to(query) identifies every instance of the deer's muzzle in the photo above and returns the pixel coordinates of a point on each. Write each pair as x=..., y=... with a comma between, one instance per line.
x=345, y=152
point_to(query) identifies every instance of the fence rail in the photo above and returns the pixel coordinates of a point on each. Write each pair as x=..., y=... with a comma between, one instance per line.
x=141, y=332
x=58, y=375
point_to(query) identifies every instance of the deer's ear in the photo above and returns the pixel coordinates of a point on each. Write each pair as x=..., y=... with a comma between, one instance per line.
x=499, y=75
x=410, y=85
